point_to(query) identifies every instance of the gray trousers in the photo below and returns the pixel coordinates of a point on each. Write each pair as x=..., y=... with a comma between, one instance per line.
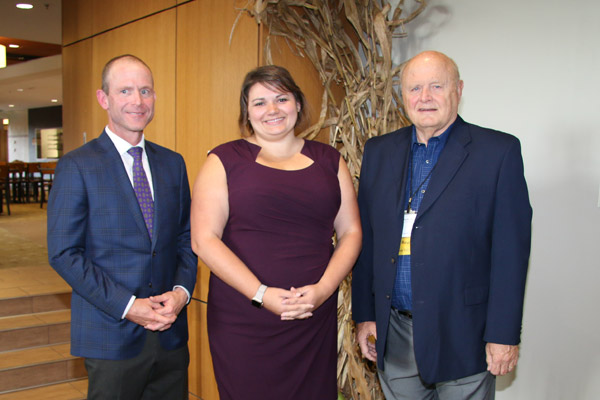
x=400, y=378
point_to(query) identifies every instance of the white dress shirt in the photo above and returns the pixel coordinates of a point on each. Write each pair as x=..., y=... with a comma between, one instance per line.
x=122, y=147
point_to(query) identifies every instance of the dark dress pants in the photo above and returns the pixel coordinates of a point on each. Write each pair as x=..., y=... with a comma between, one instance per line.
x=155, y=374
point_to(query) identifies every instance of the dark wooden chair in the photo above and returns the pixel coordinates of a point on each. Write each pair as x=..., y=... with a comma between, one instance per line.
x=33, y=181
x=17, y=171
x=47, y=172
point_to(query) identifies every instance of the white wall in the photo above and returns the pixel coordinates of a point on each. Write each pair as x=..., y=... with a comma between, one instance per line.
x=532, y=68
x=18, y=135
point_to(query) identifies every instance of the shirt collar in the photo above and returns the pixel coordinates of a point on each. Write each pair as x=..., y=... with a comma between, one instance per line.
x=121, y=144
x=441, y=139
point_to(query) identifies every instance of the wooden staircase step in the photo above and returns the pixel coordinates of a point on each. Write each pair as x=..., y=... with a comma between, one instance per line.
x=30, y=330
x=73, y=390
x=35, y=304
x=33, y=367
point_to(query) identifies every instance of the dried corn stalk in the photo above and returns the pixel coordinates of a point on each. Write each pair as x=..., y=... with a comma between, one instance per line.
x=349, y=42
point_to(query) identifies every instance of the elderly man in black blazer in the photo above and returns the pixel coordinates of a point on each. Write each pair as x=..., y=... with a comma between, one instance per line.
x=446, y=226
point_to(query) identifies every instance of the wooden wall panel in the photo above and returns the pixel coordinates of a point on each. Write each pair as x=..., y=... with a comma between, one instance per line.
x=202, y=382
x=305, y=75
x=76, y=20
x=157, y=48
x=209, y=76
x=112, y=13
x=3, y=144
x=79, y=97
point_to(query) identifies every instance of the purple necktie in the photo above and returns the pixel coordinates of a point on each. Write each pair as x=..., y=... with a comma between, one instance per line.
x=142, y=188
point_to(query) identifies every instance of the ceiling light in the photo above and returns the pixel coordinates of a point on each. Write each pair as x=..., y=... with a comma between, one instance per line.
x=24, y=6
x=5, y=121
x=14, y=46
x=2, y=56
x=19, y=90
x=11, y=106
x=54, y=101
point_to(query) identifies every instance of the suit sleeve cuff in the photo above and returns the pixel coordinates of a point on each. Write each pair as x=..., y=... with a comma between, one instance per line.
x=128, y=307
x=186, y=292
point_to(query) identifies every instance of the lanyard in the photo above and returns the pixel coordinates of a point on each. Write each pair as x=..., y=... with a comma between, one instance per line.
x=411, y=196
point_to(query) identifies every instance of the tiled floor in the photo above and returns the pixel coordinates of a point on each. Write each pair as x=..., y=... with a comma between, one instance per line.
x=62, y=391
x=24, y=268
x=27, y=320
x=35, y=355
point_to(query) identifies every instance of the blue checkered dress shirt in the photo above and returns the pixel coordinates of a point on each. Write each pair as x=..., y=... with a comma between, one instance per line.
x=423, y=159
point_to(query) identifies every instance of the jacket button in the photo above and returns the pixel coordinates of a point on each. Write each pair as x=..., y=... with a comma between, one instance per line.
x=393, y=260
x=387, y=296
x=153, y=254
x=150, y=284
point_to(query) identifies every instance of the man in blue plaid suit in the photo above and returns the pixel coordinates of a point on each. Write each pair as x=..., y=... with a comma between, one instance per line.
x=130, y=263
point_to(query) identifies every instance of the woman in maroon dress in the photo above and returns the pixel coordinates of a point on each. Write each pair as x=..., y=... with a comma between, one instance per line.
x=264, y=211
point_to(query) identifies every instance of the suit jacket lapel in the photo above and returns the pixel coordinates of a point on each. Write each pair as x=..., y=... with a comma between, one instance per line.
x=157, y=186
x=452, y=157
x=398, y=166
x=117, y=170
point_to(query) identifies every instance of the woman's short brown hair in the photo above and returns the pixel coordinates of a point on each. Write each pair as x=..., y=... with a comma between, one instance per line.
x=275, y=78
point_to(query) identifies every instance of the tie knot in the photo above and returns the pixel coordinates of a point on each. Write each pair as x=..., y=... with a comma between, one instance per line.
x=136, y=152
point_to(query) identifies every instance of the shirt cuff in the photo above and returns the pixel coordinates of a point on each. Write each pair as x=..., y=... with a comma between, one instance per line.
x=186, y=292
x=128, y=306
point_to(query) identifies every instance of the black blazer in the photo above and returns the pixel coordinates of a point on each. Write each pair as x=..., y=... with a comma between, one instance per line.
x=469, y=247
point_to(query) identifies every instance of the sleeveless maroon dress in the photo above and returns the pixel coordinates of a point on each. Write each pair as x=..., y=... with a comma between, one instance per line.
x=281, y=226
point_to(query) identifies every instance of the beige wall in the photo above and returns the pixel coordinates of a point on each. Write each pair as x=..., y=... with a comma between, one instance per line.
x=197, y=75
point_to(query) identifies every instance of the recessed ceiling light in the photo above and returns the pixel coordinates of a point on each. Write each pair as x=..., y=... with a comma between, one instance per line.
x=54, y=101
x=11, y=106
x=5, y=121
x=14, y=46
x=24, y=6
x=19, y=90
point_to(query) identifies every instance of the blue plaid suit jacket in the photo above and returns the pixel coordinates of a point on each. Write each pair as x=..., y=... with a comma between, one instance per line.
x=98, y=242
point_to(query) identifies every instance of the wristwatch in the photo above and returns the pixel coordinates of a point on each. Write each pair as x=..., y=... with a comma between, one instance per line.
x=257, y=300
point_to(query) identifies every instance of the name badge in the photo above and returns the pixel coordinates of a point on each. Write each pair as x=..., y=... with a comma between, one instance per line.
x=409, y=221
